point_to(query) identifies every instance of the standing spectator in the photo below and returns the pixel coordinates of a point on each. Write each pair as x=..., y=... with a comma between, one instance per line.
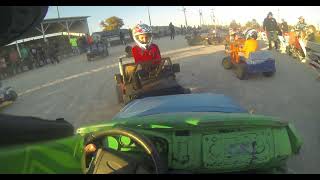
x=74, y=46
x=172, y=31
x=25, y=57
x=3, y=67
x=301, y=30
x=301, y=27
x=284, y=27
x=89, y=41
x=34, y=56
x=271, y=28
x=13, y=61
x=41, y=54
x=122, y=39
x=83, y=44
x=130, y=34
x=53, y=52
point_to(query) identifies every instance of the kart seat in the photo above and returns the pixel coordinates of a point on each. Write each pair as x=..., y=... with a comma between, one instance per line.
x=260, y=56
x=129, y=69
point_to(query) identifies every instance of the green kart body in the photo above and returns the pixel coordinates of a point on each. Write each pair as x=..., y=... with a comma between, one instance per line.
x=194, y=141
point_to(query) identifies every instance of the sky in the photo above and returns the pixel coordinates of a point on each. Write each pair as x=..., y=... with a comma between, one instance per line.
x=163, y=15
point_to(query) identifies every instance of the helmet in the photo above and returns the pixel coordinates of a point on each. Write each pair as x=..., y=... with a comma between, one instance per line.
x=270, y=13
x=251, y=34
x=142, y=29
x=301, y=17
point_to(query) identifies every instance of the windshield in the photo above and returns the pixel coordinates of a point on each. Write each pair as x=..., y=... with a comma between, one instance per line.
x=68, y=66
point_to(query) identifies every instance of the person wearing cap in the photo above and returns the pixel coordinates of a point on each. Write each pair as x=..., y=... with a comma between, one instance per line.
x=301, y=26
x=270, y=26
x=301, y=32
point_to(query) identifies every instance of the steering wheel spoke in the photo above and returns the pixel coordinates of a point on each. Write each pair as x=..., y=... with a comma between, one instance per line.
x=110, y=161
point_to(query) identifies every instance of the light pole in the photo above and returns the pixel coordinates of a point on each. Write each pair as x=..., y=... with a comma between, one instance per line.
x=58, y=11
x=214, y=19
x=200, y=16
x=185, y=17
x=149, y=16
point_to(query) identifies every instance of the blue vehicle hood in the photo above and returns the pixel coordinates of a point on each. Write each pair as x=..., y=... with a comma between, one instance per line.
x=204, y=102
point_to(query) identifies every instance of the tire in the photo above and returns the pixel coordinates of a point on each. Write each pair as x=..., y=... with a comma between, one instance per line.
x=226, y=62
x=136, y=82
x=268, y=74
x=13, y=95
x=119, y=94
x=241, y=71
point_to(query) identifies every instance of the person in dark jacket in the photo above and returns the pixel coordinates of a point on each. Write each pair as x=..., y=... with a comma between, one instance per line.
x=53, y=52
x=270, y=26
x=284, y=27
x=122, y=39
x=172, y=31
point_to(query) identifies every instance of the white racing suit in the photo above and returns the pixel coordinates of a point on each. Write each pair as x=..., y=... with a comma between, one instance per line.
x=284, y=43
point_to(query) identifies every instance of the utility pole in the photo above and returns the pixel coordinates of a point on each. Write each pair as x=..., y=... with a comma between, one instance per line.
x=185, y=17
x=149, y=16
x=214, y=20
x=200, y=14
x=58, y=12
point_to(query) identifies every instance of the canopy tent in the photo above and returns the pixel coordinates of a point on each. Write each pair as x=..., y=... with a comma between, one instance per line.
x=54, y=26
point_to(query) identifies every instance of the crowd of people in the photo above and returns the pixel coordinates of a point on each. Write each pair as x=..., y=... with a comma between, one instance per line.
x=281, y=36
x=36, y=55
x=273, y=30
x=33, y=56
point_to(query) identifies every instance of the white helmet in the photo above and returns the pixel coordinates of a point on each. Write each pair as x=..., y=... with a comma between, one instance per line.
x=251, y=33
x=142, y=29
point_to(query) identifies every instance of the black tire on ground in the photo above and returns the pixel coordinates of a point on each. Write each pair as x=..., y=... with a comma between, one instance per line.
x=13, y=95
x=268, y=74
x=241, y=71
x=119, y=94
x=136, y=82
x=226, y=62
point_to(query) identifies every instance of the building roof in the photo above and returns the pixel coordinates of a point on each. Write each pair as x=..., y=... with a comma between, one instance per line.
x=76, y=24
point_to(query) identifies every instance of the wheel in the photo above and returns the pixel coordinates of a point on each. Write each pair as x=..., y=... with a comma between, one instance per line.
x=13, y=95
x=268, y=74
x=136, y=82
x=241, y=71
x=119, y=93
x=226, y=62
